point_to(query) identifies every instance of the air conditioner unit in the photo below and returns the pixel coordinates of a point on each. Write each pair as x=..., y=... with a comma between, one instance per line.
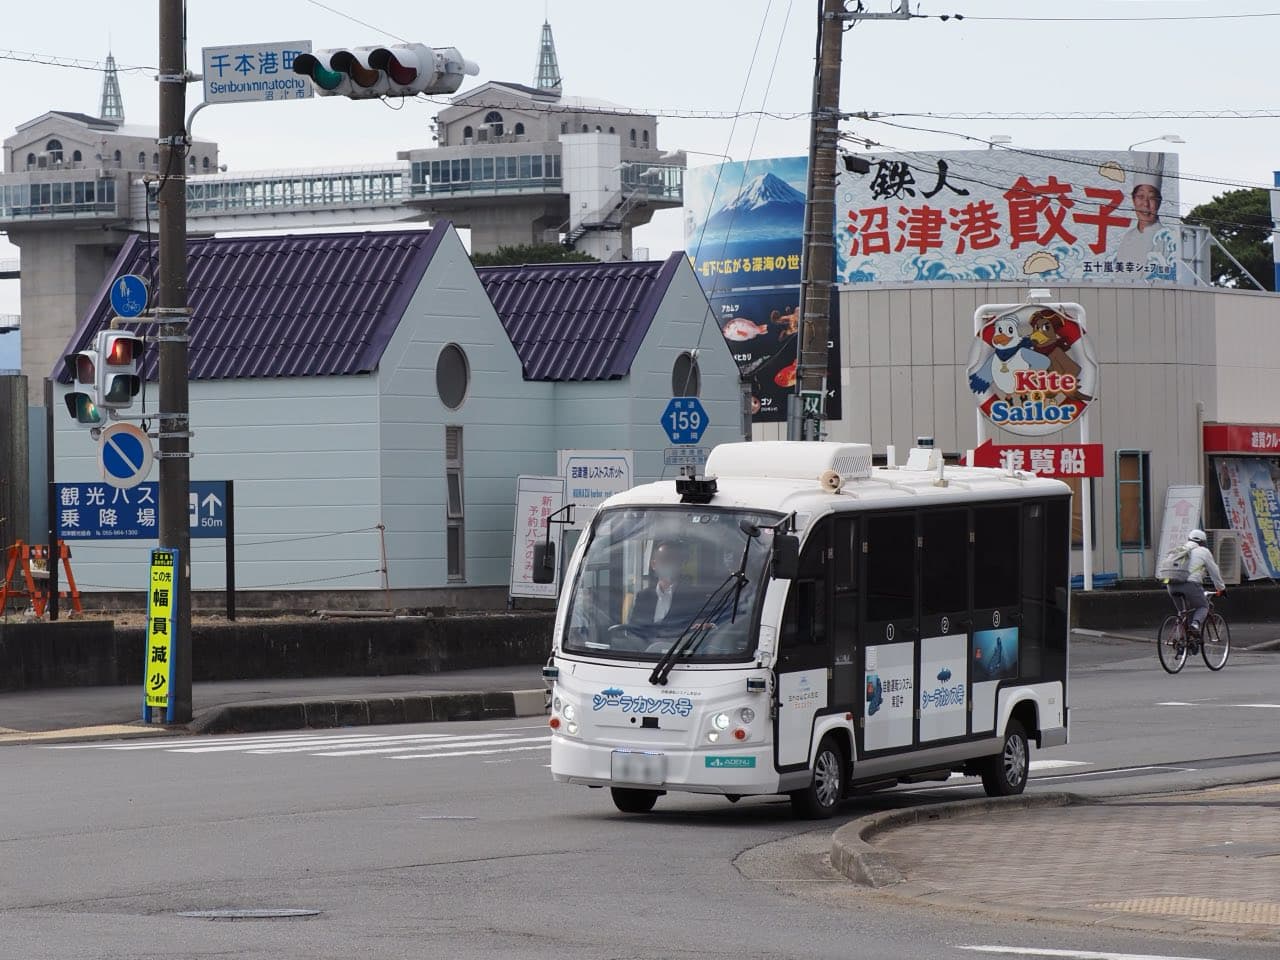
x=1225, y=546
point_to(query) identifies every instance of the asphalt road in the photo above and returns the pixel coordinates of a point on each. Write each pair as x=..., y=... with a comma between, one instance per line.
x=453, y=842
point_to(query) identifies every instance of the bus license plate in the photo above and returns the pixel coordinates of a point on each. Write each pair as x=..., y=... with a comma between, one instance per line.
x=633, y=766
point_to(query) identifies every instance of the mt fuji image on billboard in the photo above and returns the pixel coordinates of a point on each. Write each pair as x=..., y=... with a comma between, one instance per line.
x=745, y=223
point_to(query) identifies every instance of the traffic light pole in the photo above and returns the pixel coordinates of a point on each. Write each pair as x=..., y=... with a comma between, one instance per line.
x=172, y=315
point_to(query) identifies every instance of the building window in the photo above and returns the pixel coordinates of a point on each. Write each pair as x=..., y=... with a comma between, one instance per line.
x=686, y=380
x=155, y=161
x=519, y=129
x=633, y=136
x=493, y=120
x=564, y=127
x=204, y=164
x=468, y=134
x=1133, y=498
x=142, y=159
x=120, y=159
x=31, y=159
x=54, y=149
x=453, y=376
x=645, y=138
x=455, y=538
x=585, y=128
x=192, y=163
x=611, y=130
x=598, y=130
x=76, y=156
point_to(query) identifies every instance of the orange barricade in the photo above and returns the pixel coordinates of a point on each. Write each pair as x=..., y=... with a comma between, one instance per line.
x=19, y=563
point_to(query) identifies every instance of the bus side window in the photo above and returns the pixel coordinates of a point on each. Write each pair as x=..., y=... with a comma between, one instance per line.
x=996, y=542
x=804, y=621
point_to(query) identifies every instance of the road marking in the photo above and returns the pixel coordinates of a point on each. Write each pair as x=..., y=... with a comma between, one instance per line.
x=1033, y=767
x=1075, y=954
x=469, y=753
x=477, y=740
x=1259, y=706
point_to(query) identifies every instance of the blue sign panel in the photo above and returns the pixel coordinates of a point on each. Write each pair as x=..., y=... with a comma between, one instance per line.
x=99, y=511
x=684, y=420
x=129, y=296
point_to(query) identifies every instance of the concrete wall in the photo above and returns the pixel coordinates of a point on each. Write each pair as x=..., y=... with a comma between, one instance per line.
x=1248, y=362
x=505, y=421
x=303, y=452
x=905, y=349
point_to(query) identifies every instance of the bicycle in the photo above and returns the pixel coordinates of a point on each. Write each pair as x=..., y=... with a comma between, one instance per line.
x=1174, y=643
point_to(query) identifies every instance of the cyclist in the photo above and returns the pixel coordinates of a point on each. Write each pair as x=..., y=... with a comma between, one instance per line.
x=1188, y=566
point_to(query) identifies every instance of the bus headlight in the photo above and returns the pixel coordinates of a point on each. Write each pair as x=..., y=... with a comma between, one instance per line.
x=720, y=721
x=569, y=712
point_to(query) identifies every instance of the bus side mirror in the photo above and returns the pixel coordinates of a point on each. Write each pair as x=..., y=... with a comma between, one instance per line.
x=786, y=557
x=544, y=562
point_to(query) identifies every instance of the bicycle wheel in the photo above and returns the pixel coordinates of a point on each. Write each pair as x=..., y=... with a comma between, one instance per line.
x=1215, y=642
x=1171, y=645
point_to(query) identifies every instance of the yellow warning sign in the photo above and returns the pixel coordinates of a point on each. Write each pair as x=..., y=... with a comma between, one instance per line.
x=160, y=607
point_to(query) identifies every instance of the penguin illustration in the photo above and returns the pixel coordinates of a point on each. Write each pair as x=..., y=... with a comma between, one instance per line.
x=1010, y=353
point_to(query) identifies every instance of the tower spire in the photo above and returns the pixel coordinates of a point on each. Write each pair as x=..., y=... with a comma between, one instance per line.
x=112, y=107
x=548, y=67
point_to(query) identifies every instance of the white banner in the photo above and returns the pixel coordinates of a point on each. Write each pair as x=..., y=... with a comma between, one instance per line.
x=537, y=498
x=1013, y=215
x=591, y=477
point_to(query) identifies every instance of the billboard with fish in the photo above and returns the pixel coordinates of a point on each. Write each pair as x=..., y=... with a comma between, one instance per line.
x=761, y=328
x=1014, y=215
x=744, y=230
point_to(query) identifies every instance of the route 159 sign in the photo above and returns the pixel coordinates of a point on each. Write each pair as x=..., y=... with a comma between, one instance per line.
x=1032, y=369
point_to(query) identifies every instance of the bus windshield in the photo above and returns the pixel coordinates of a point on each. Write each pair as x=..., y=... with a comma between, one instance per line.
x=651, y=573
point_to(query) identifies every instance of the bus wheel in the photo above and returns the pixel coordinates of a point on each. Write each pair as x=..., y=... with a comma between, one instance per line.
x=820, y=799
x=634, y=801
x=1005, y=774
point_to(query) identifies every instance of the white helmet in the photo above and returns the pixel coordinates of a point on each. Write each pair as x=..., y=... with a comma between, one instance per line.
x=1198, y=536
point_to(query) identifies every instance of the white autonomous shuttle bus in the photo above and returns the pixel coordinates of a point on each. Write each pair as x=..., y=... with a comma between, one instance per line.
x=821, y=627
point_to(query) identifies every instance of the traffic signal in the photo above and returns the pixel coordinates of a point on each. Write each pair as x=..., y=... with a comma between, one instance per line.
x=399, y=71
x=118, y=380
x=82, y=401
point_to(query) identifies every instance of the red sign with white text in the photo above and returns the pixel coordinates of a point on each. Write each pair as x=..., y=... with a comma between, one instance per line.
x=1057, y=460
x=1242, y=438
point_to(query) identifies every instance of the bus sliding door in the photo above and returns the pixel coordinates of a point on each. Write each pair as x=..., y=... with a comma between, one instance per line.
x=890, y=631
x=942, y=698
x=804, y=652
x=995, y=648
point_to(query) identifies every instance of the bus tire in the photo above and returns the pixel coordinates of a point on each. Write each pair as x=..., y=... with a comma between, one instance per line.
x=1005, y=774
x=629, y=800
x=820, y=799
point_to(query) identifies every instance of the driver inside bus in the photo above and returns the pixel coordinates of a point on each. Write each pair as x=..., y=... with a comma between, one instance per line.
x=670, y=598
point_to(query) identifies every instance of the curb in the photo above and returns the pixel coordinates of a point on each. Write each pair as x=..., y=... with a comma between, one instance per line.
x=853, y=855
x=369, y=711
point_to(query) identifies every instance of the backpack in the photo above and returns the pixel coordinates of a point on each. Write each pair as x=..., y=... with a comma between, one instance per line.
x=1177, y=565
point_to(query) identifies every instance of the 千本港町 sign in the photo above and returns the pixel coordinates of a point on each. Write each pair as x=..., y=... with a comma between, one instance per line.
x=254, y=71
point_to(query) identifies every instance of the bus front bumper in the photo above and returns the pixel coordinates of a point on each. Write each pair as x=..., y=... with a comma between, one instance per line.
x=732, y=770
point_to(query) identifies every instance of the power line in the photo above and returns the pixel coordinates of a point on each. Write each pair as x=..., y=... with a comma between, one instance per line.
x=347, y=16
x=961, y=177
x=1224, y=113
x=1145, y=19
x=1065, y=158
x=48, y=60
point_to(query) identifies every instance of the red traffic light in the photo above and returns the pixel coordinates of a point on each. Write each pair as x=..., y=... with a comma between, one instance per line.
x=83, y=368
x=122, y=350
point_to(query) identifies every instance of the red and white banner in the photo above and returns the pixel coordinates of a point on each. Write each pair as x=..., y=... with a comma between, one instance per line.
x=1045, y=459
x=1242, y=438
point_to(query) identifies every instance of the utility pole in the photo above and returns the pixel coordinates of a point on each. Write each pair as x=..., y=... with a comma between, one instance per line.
x=172, y=315
x=808, y=404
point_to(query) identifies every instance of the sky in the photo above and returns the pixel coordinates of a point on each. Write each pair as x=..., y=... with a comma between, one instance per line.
x=697, y=64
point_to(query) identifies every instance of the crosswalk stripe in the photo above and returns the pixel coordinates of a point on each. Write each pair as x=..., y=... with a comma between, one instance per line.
x=299, y=745
x=221, y=746
x=467, y=753
x=400, y=748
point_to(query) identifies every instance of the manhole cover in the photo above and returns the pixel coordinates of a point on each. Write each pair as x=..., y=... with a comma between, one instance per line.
x=251, y=913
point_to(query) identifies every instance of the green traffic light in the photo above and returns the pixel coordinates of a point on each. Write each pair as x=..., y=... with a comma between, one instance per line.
x=82, y=408
x=122, y=388
x=309, y=65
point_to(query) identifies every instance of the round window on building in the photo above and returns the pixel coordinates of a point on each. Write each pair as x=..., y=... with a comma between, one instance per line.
x=453, y=376
x=686, y=381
